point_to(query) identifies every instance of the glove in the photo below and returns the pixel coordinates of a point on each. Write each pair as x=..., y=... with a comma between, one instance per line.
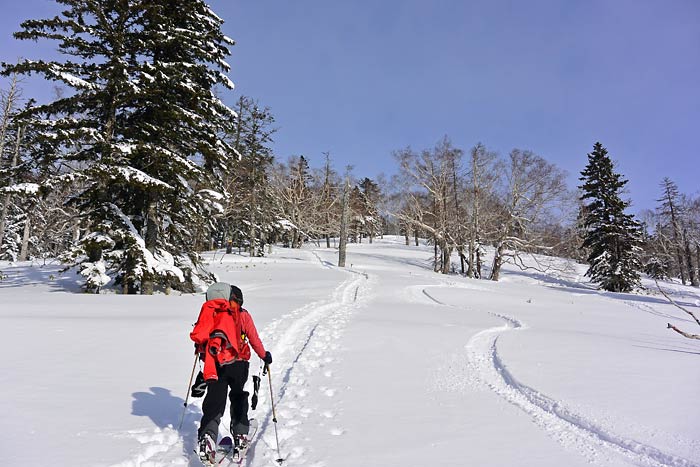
x=268, y=358
x=199, y=387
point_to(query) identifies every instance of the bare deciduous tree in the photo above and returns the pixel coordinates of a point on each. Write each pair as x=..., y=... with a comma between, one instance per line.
x=428, y=187
x=532, y=188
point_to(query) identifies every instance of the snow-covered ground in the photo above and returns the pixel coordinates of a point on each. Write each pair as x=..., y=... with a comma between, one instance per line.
x=384, y=363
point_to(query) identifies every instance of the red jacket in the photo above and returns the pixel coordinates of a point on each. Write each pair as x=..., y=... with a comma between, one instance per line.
x=222, y=333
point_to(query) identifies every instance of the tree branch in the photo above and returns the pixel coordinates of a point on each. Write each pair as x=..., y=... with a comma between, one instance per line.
x=676, y=304
x=683, y=333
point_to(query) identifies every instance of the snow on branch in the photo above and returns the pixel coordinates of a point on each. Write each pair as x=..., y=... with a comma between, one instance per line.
x=22, y=188
x=132, y=175
x=70, y=79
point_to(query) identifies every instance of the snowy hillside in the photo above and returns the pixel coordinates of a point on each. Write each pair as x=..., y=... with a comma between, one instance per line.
x=384, y=363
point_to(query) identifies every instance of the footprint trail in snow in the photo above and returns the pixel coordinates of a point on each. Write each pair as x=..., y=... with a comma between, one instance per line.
x=305, y=347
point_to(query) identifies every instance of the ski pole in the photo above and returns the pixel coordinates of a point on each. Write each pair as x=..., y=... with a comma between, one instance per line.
x=274, y=415
x=187, y=398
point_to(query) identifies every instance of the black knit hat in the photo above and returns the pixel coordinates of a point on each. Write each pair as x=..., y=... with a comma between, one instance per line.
x=236, y=295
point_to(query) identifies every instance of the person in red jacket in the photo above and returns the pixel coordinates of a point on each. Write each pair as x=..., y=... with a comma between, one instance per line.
x=222, y=334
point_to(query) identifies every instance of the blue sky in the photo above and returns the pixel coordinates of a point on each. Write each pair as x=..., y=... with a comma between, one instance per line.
x=363, y=78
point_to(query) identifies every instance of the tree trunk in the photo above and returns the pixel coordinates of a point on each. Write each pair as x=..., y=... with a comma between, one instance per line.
x=344, y=226
x=470, y=261
x=296, y=239
x=436, y=256
x=478, y=264
x=446, y=254
x=455, y=190
x=474, y=231
x=251, y=235
x=5, y=208
x=415, y=236
x=328, y=241
x=151, y=240
x=24, y=251
x=497, y=262
x=694, y=280
x=76, y=232
x=697, y=257
x=679, y=259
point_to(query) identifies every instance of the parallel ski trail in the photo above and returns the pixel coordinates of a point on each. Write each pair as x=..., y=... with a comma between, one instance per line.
x=598, y=445
x=567, y=427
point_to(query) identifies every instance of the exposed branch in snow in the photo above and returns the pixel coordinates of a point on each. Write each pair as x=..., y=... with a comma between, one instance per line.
x=669, y=325
x=683, y=333
x=676, y=304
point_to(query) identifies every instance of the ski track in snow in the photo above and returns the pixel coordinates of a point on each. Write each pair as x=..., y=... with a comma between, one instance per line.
x=486, y=369
x=304, y=342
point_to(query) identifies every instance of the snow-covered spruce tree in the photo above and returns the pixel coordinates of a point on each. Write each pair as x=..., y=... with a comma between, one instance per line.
x=611, y=235
x=10, y=137
x=138, y=130
x=19, y=192
x=178, y=125
x=87, y=125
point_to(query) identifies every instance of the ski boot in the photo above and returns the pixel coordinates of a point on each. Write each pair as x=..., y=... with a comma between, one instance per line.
x=240, y=442
x=207, y=450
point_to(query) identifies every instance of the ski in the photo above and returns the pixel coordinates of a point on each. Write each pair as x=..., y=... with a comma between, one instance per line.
x=231, y=451
x=242, y=444
x=224, y=450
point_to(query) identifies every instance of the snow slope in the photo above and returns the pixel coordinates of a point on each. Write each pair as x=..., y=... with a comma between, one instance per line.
x=384, y=363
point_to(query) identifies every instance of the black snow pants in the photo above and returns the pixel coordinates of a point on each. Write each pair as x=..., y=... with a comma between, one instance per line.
x=232, y=376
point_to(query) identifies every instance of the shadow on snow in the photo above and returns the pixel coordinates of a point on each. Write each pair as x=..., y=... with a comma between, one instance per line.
x=165, y=411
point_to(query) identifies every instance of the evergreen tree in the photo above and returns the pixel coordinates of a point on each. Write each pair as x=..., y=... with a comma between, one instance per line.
x=186, y=53
x=140, y=129
x=612, y=237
